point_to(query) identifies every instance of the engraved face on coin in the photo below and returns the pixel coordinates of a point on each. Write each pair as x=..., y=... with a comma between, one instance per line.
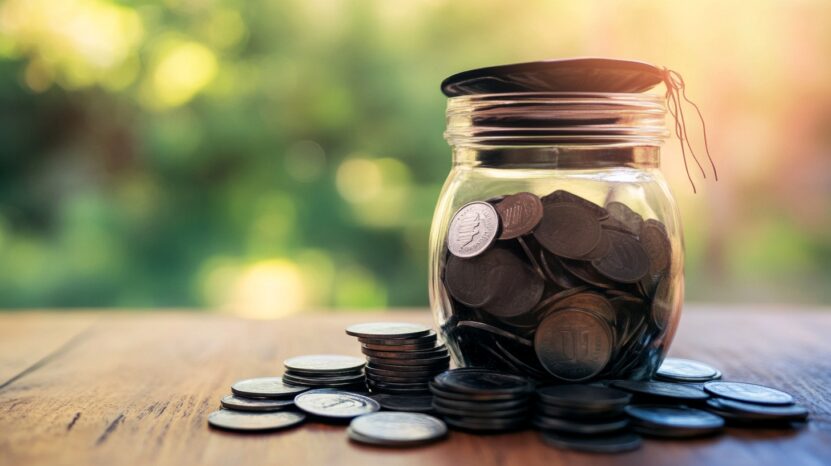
x=520, y=213
x=568, y=230
x=330, y=403
x=249, y=422
x=473, y=229
x=573, y=344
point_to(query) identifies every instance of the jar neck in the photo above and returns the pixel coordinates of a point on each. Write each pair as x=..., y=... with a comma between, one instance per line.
x=558, y=157
x=557, y=129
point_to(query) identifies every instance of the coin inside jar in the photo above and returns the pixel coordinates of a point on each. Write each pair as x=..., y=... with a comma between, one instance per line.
x=573, y=344
x=473, y=229
x=520, y=213
x=568, y=230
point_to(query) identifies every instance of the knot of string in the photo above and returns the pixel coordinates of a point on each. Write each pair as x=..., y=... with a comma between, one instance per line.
x=676, y=91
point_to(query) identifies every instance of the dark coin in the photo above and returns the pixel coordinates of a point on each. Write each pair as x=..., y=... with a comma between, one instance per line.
x=416, y=391
x=655, y=242
x=483, y=381
x=584, y=427
x=396, y=428
x=495, y=331
x=568, y=230
x=239, y=403
x=486, y=425
x=429, y=339
x=473, y=405
x=593, y=302
x=266, y=387
x=479, y=413
x=413, y=347
x=673, y=421
x=550, y=303
x=336, y=404
x=749, y=412
x=625, y=261
x=472, y=229
x=573, y=345
x=564, y=196
x=323, y=381
x=556, y=273
x=389, y=379
x=374, y=372
x=628, y=217
x=431, y=361
x=468, y=280
x=520, y=213
x=584, y=396
x=249, y=422
x=435, y=353
x=614, y=443
x=387, y=330
x=324, y=363
x=686, y=370
x=661, y=310
x=570, y=412
x=515, y=287
x=587, y=273
x=749, y=393
x=658, y=389
x=421, y=403
x=420, y=385
x=438, y=391
x=432, y=368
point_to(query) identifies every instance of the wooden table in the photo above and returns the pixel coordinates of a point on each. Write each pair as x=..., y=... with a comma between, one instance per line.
x=112, y=388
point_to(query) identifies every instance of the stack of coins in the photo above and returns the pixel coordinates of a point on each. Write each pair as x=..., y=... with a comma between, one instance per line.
x=581, y=410
x=558, y=288
x=325, y=371
x=482, y=400
x=259, y=404
x=401, y=358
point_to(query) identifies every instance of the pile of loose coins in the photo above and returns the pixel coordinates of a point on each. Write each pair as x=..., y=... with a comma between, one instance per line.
x=520, y=270
x=685, y=399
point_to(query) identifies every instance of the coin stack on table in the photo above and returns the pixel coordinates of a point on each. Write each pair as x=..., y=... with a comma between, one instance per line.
x=524, y=273
x=581, y=410
x=402, y=358
x=325, y=371
x=482, y=400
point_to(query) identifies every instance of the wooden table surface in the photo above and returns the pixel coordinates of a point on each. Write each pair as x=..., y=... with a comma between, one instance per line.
x=112, y=388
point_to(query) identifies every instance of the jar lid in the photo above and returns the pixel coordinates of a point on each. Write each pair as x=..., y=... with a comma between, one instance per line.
x=569, y=75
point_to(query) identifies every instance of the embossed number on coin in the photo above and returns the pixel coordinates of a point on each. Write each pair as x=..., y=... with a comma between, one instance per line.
x=573, y=345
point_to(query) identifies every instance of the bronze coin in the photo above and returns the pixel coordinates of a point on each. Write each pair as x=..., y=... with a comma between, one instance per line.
x=555, y=272
x=549, y=304
x=568, y=230
x=661, y=306
x=592, y=302
x=626, y=261
x=623, y=214
x=655, y=242
x=586, y=272
x=565, y=196
x=465, y=279
x=520, y=213
x=573, y=345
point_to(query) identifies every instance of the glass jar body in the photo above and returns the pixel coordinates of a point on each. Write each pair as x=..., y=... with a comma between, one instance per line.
x=624, y=328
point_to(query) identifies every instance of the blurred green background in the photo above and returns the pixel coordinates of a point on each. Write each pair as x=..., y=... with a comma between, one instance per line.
x=270, y=156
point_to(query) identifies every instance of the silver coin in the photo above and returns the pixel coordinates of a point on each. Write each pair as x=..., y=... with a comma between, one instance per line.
x=473, y=229
x=335, y=404
x=748, y=392
x=397, y=428
x=686, y=370
x=249, y=422
x=266, y=387
x=239, y=403
x=388, y=330
x=324, y=363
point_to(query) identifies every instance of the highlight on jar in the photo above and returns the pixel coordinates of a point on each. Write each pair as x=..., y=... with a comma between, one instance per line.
x=556, y=245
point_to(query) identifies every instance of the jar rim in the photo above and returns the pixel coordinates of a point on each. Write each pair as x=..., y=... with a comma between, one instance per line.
x=556, y=119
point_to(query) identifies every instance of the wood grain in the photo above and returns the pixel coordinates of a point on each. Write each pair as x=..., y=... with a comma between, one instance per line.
x=136, y=388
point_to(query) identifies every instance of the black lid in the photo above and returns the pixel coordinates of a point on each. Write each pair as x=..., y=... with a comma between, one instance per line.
x=569, y=75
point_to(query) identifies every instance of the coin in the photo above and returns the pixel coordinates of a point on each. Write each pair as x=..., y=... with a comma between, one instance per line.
x=654, y=388
x=419, y=403
x=335, y=404
x=472, y=229
x=485, y=424
x=429, y=339
x=612, y=443
x=435, y=353
x=573, y=345
x=625, y=261
x=520, y=213
x=749, y=393
x=749, y=412
x=239, y=403
x=655, y=242
x=628, y=217
x=473, y=405
x=266, y=387
x=568, y=230
x=388, y=330
x=375, y=372
x=408, y=347
x=323, y=381
x=479, y=413
x=433, y=368
x=483, y=381
x=396, y=428
x=670, y=421
x=561, y=195
x=324, y=363
x=584, y=396
x=495, y=331
x=248, y=421
x=584, y=427
x=438, y=391
x=429, y=361
x=686, y=370
x=661, y=309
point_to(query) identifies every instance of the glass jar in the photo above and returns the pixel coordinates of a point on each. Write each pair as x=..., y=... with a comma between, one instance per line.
x=566, y=256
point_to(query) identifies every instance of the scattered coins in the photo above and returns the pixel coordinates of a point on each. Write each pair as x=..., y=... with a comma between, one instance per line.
x=591, y=286
x=396, y=429
x=748, y=392
x=741, y=412
x=662, y=390
x=673, y=421
x=335, y=404
x=250, y=422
